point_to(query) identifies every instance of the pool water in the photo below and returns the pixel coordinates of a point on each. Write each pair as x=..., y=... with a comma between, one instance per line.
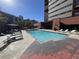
x=44, y=36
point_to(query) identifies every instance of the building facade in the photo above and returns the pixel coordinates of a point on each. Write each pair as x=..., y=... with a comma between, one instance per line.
x=60, y=9
x=6, y=19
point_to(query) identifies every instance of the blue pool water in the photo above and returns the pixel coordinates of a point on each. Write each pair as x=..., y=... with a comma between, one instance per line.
x=43, y=36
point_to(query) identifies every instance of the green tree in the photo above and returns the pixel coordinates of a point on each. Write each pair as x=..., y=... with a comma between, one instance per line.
x=29, y=23
x=3, y=22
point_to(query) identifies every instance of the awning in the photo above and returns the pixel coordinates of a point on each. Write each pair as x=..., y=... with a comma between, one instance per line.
x=14, y=25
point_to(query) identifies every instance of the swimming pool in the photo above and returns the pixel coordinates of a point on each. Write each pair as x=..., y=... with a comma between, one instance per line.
x=44, y=36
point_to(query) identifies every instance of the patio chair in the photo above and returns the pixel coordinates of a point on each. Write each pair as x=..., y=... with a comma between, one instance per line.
x=61, y=30
x=2, y=34
x=73, y=32
x=66, y=30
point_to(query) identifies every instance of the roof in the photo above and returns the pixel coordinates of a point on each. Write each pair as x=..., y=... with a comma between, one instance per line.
x=6, y=13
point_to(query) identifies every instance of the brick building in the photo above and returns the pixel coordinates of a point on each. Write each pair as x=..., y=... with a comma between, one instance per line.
x=61, y=14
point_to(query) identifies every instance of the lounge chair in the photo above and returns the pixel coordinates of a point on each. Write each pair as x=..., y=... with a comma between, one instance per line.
x=61, y=30
x=66, y=30
x=2, y=34
x=73, y=32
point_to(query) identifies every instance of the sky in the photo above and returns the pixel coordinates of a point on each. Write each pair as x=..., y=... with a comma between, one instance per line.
x=29, y=9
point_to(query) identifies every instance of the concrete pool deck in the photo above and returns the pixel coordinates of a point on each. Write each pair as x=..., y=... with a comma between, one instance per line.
x=28, y=47
x=16, y=49
x=62, y=49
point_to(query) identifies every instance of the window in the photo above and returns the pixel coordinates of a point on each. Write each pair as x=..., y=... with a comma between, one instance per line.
x=60, y=13
x=61, y=8
x=58, y=4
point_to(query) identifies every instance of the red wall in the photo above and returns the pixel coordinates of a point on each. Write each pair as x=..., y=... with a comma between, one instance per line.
x=72, y=20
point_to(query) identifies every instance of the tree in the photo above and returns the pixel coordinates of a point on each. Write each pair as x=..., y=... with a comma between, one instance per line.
x=19, y=22
x=3, y=22
x=34, y=21
x=29, y=23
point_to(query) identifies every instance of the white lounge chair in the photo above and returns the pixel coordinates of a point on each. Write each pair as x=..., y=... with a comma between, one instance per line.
x=73, y=32
x=61, y=30
x=66, y=30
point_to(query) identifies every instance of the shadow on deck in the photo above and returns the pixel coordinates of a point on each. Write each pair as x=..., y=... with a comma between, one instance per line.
x=8, y=43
